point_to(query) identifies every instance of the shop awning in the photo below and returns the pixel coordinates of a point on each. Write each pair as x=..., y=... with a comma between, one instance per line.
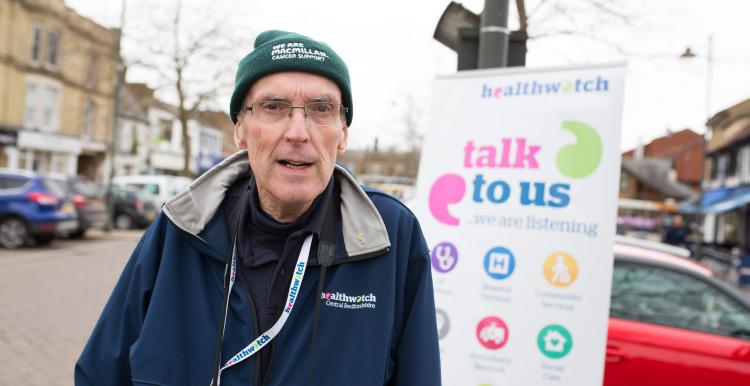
x=720, y=200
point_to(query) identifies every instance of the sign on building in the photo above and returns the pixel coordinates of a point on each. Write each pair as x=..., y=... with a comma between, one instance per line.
x=517, y=195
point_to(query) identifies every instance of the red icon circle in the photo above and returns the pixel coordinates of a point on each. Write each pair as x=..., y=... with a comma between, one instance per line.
x=492, y=332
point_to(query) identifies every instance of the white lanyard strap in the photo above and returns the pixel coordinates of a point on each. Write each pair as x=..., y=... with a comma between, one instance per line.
x=291, y=297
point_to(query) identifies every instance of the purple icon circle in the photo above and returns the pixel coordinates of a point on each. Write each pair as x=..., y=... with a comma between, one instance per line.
x=444, y=257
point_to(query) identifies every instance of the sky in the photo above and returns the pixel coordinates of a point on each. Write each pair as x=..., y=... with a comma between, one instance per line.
x=393, y=58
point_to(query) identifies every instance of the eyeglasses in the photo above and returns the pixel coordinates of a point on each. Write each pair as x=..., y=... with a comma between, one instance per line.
x=321, y=113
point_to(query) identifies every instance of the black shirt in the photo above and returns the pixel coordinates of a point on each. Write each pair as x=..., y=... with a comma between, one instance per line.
x=267, y=252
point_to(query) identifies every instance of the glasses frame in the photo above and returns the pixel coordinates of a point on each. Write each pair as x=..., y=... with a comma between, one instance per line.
x=342, y=109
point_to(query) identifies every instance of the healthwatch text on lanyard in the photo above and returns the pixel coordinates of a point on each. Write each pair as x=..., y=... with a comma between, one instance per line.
x=263, y=339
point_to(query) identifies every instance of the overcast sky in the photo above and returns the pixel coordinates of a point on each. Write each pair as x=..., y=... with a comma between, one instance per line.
x=393, y=58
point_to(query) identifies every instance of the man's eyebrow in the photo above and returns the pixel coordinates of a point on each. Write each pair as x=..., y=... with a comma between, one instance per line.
x=272, y=97
x=322, y=98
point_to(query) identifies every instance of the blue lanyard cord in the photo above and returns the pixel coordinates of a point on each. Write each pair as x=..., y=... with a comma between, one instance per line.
x=262, y=340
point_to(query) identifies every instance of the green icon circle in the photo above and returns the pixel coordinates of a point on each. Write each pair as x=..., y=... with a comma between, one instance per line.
x=554, y=341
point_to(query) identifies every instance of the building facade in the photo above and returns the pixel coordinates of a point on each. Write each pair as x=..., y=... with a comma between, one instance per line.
x=57, y=77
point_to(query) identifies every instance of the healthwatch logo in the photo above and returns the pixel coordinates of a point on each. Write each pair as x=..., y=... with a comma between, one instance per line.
x=577, y=160
x=342, y=300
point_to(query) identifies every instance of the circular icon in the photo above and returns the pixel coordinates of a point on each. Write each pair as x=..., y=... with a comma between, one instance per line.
x=499, y=263
x=443, y=323
x=444, y=257
x=554, y=341
x=492, y=332
x=560, y=269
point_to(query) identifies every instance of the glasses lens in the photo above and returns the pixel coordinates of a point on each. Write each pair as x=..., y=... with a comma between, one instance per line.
x=271, y=111
x=322, y=113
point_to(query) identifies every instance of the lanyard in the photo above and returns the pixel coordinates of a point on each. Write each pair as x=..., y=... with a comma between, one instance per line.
x=263, y=339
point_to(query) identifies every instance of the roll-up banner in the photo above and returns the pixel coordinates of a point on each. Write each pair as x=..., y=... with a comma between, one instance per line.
x=517, y=195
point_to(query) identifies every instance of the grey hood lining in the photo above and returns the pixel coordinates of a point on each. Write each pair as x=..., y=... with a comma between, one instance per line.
x=190, y=210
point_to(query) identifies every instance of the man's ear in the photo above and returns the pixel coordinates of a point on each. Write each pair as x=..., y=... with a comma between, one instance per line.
x=239, y=134
x=343, y=140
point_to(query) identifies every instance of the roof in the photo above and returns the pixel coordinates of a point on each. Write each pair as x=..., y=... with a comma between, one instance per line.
x=130, y=108
x=655, y=172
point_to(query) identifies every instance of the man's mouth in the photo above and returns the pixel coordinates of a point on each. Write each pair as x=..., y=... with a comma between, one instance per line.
x=295, y=164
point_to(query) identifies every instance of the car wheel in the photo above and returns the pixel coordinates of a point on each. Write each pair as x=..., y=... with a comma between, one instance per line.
x=78, y=234
x=13, y=232
x=123, y=221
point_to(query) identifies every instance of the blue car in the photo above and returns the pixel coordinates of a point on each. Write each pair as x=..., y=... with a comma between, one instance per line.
x=32, y=207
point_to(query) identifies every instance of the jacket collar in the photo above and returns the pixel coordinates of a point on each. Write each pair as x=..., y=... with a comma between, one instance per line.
x=363, y=232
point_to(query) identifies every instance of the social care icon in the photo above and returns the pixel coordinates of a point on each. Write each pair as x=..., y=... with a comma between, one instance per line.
x=492, y=332
x=554, y=341
x=560, y=269
x=499, y=263
x=444, y=257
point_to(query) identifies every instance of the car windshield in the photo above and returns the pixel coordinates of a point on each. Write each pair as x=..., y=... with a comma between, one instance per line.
x=86, y=188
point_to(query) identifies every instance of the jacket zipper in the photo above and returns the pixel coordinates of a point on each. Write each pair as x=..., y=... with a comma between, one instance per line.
x=254, y=316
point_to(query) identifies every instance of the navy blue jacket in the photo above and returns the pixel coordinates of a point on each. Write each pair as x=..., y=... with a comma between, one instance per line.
x=376, y=317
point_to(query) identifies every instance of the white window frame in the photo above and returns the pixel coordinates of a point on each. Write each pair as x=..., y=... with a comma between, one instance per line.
x=42, y=105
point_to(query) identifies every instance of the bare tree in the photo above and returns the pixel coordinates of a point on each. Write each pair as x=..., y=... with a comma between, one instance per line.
x=191, y=55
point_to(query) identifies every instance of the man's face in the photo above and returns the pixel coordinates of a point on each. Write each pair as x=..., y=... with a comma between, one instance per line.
x=292, y=159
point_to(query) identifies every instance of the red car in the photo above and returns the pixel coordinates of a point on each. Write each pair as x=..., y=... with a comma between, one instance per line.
x=673, y=323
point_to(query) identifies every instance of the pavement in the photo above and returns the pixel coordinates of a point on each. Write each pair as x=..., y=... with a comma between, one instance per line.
x=50, y=299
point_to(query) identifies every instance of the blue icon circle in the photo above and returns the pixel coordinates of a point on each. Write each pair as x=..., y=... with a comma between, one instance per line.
x=499, y=263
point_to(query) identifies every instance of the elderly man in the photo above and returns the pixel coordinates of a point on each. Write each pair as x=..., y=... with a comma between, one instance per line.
x=275, y=267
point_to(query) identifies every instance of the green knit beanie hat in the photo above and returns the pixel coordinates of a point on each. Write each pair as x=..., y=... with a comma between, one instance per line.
x=277, y=51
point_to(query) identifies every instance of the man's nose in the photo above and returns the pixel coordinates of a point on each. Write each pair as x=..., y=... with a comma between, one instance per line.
x=297, y=130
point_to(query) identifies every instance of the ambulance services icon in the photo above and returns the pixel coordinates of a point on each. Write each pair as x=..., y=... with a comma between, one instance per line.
x=560, y=269
x=554, y=341
x=492, y=332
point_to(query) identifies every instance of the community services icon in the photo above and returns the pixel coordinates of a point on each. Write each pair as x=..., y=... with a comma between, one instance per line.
x=492, y=332
x=560, y=269
x=499, y=263
x=443, y=323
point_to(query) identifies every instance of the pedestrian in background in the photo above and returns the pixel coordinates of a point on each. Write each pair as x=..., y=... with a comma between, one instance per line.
x=275, y=267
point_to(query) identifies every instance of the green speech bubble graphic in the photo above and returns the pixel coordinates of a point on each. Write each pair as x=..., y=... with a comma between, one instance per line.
x=580, y=159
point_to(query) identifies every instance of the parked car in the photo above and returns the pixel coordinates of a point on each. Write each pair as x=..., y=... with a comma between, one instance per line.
x=133, y=208
x=161, y=186
x=32, y=207
x=88, y=201
x=673, y=323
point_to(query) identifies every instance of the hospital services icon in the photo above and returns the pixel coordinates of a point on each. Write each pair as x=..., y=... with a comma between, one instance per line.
x=444, y=257
x=560, y=269
x=554, y=341
x=499, y=263
x=492, y=332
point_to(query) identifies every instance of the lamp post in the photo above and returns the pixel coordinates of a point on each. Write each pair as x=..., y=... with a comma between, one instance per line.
x=689, y=54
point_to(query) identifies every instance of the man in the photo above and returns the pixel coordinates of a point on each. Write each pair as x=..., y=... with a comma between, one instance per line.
x=275, y=267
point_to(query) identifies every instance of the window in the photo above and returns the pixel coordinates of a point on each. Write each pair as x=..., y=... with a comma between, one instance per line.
x=53, y=48
x=49, y=112
x=660, y=296
x=165, y=131
x=89, y=112
x=36, y=43
x=41, y=106
x=743, y=164
x=29, y=117
x=12, y=182
x=91, y=71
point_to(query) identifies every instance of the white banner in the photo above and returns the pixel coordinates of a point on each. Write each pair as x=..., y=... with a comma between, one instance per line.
x=517, y=195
